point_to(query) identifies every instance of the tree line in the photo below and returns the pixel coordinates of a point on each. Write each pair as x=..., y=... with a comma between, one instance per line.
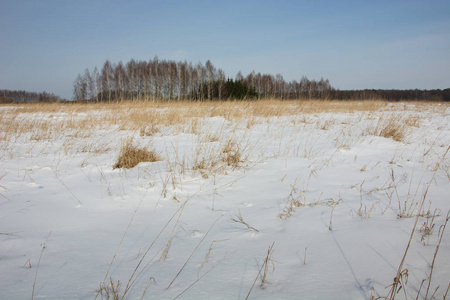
x=168, y=80
x=8, y=96
x=392, y=95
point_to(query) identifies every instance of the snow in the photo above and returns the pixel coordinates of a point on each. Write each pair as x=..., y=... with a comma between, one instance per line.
x=66, y=215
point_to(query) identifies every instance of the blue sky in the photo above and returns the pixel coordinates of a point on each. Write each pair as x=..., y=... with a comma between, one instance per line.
x=45, y=44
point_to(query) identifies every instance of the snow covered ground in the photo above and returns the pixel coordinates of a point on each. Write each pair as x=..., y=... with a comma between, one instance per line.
x=334, y=191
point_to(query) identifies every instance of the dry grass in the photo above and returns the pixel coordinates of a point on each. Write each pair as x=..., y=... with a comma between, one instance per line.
x=109, y=291
x=393, y=130
x=211, y=158
x=297, y=198
x=208, y=255
x=401, y=278
x=391, y=126
x=264, y=270
x=231, y=154
x=169, y=242
x=51, y=120
x=221, y=149
x=412, y=204
x=193, y=252
x=428, y=227
x=239, y=219
x=293, y=201
x=131, y=155
x=44, y=246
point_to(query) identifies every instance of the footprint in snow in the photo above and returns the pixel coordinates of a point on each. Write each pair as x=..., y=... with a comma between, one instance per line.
x=197, y=233
x=34, y=185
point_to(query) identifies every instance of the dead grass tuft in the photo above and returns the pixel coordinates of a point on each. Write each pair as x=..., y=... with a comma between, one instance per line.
x=231, y=154
x=109, y=291
x=413, y=121
x=391, y=127
x=148, y=130
x=131, y=155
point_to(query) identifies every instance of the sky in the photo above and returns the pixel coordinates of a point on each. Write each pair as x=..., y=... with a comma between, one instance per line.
x=402, y=44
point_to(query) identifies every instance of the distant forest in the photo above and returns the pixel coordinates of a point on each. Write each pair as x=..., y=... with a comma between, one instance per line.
x=171, y=81
x=7, y=96
x=166, y=80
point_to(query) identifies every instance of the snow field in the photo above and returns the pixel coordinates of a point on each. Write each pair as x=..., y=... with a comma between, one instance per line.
x=335, y=187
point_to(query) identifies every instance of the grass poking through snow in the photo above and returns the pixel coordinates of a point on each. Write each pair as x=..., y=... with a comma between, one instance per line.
x=131, y=155
x=361, y=172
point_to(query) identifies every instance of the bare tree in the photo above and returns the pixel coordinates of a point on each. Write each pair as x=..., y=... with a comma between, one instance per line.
x=239, y=76
x=258, y=79
x=170, y=80
x=107, y=79
x=250, y=80
x=163, y=73
x=173, y=77
x=182, y=80
x=143, y=75
x=119, y=81
x=296, y=89
x=279, y=86
x=220, y=83
x=210, y=70
x=86, y=85
x=95, y=84
x=151, y=79
x=131, y=76
x=77, y=85
x=192, y=81
x=268, y=85
x=155, y=76
x=201, y=80
x=304, y=87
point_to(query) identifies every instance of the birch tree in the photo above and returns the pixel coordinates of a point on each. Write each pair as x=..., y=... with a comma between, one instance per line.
x=107, y=79
x=77, y=94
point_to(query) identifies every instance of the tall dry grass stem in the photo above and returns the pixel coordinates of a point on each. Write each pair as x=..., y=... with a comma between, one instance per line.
x=210, y=250
x=169, y=242
x=441, y=235
x=200, y=278
x=70, y=191
x=446, y=292
x=239, y=219
x=131, y=280
x=122, y=239
x=292, y=202
x=398, y=279
x=192, y=254
x=146, y=287
x=265, y=266
x=333, y=206
x=44, y=246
